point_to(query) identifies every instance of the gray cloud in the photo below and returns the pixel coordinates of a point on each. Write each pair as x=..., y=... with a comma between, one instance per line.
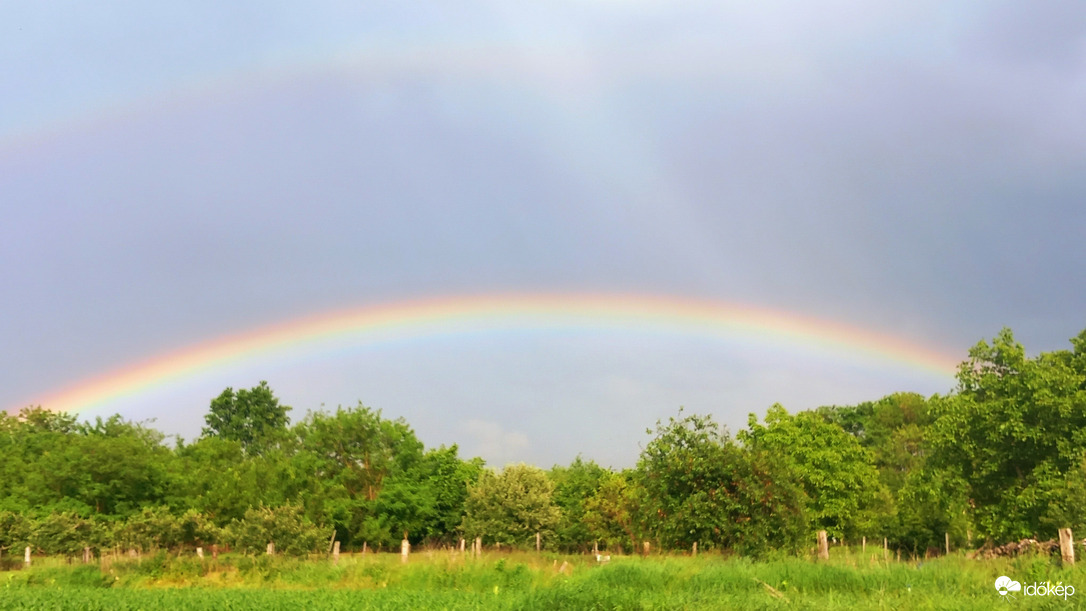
x=914, y=169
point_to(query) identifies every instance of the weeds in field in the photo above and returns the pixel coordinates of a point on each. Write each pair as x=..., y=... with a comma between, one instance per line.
x=528, y=581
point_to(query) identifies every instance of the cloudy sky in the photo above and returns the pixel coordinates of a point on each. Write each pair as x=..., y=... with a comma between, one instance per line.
x=176, y=173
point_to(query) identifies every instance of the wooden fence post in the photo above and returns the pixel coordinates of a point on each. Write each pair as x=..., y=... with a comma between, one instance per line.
x=863, y=545
x=365, y=547
x=1067, y=546
x=823, y=546
x=335, y=553
x=405, y=549
x=695, y=551
x=538, y=542
x=595, y=548
x=271, y=548
x=646, y=548
x=461, y=546
x=214, y=551
x=26, y=556
x=478, y=546
x=946, y=536
x=200, y=553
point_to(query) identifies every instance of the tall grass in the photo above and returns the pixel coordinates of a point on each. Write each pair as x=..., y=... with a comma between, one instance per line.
x=850, y=580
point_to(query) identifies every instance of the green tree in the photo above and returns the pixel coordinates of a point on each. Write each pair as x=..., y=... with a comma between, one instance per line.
x=251, y=417
x=151, y=529
x=447, y=478
x=1015, y=435
x=573, y=487
x=62, y=534
x=844, y=494
x=892, y=429
x=52, y=463
x=124, y=465
x=286, y=527
x=610, y=514
x=699, y=486
x=15, y=530
x=927, y=502
x=214, y=477
x=355, y=455
x=510, y=507
x=931, y=504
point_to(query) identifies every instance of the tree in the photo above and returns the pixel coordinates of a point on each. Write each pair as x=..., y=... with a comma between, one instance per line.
x=447, y=479
x=573, y=487
x=124, y=465
x=927, y=503
x=892, y=429
x=356, y=455
x=151, y=529
x=214, y=477
x=252, y=417
x=62, y=533
x=14, y=530
x=511, y=507
x=610, y=514
x=844, y=494
x=1015, y=435
x=286, y=527
x=701, y=487
x=931, y=504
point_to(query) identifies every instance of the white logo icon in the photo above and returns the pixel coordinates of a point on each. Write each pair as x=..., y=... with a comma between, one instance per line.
x=1005, y=585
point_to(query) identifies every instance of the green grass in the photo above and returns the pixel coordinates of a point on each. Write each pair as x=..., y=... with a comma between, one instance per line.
x=531, y=581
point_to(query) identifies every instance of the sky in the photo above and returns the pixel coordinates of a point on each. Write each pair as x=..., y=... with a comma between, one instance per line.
x=175, y=174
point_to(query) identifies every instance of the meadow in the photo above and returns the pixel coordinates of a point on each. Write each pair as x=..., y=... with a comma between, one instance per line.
x=516, y=580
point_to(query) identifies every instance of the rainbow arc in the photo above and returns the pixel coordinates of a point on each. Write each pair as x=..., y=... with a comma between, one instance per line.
x=684, y=317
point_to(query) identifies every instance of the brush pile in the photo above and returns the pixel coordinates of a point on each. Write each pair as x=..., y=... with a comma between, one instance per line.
x=1016, y=548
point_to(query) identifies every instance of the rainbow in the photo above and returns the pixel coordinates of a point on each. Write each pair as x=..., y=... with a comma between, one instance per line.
x=352, y=62
x=518, y=312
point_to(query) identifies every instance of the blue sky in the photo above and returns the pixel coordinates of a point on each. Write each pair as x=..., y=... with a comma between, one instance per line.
x=173, y=174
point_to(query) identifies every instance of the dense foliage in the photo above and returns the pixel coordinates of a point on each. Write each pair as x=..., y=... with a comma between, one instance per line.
x=699, y=486
x=1002, y=456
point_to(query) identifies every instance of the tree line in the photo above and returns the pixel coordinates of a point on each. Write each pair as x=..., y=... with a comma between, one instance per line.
x=1001, y=457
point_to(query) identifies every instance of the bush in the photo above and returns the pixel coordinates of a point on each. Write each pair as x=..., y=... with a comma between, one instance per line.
x=286, y=527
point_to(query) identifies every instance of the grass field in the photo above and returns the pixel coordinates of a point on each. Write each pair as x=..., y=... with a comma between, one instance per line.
x=533, y=581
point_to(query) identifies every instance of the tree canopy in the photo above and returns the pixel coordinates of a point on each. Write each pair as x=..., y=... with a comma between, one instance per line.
x=251, y=417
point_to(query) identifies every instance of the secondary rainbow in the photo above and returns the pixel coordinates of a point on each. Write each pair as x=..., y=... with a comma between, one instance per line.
x=482, y=313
